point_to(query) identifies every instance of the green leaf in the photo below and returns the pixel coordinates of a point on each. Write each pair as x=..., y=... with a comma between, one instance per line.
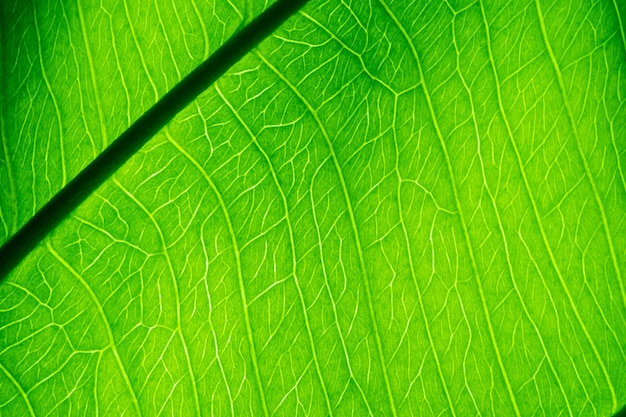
x=387, y=208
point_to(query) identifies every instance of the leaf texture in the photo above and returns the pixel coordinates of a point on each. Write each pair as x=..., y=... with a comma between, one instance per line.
x=388, y=208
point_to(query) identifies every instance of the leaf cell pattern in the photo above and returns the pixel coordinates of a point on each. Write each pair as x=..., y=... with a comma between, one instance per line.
x=388, y=208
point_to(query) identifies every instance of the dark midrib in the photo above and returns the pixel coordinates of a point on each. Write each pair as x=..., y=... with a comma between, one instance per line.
x=140, y=132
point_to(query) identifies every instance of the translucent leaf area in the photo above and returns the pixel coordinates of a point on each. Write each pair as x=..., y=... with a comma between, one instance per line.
x=389, y=208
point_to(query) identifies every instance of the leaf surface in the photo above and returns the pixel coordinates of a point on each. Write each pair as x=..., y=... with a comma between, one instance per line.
x=388, y=208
